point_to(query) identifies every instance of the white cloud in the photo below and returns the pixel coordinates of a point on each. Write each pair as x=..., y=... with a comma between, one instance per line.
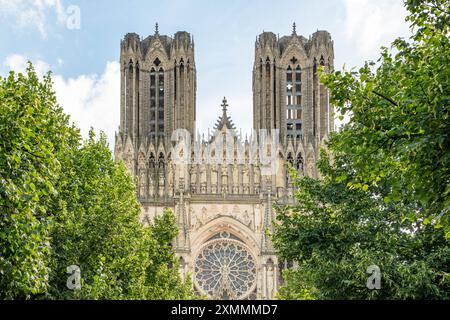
x=19, y=63
x=372, y=24
x=91, y=100
x=32, y=13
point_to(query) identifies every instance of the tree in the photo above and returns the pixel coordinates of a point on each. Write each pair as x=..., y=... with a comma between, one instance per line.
x=384, y=194
x=65, y=203
x=97, y=228
x=33, y=130
x=163, y=276
x=335, y=233
x=400, y=108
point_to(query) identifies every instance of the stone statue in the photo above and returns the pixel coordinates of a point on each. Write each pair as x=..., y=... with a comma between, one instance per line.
x=246, y=219
x=257, y=174
x=128, y=160
x=224, y=180
x=170, y=178
x=235, y=178
x=204, y=218
x=214, y=180
x=195, y=221
x=193, y=173
x=203, y=173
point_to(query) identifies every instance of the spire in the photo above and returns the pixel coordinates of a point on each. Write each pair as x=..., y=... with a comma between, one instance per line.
x=224, y=121
x=156, y=29
x=224, y=107
x=294, y=29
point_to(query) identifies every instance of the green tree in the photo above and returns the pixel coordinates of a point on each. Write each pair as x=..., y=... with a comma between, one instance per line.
x=400, y=108
x=163, y=276
x=335, y=233
x=97, y=228
x=384, y=194
x=33, y=130
x=66, y=203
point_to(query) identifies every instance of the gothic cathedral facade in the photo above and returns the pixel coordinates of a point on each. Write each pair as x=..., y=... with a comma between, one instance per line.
x=222, y=199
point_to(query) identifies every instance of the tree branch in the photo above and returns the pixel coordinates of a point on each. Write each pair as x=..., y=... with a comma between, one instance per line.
x=385, y=98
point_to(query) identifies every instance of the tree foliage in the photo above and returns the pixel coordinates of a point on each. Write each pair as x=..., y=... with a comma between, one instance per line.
x=66, y=203
x=33, y=130
x=98, y=229
x=383, y=198
x=400, y=126
x=335, y=233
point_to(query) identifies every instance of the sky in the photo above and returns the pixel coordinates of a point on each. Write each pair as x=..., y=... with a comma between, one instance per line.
x=79, y=41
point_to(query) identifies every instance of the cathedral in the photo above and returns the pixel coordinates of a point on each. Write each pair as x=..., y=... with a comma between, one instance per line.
x=222, y=187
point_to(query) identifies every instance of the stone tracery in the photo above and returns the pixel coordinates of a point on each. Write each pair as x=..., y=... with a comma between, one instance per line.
x=225, y=269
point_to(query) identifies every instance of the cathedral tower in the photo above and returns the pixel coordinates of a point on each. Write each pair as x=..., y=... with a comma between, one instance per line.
x=158, y=85
x=287, y=94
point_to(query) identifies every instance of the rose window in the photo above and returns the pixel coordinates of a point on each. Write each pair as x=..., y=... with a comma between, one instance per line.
x=225, y=269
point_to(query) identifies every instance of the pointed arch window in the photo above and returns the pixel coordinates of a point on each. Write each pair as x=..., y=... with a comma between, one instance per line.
x=294, y=84
x=152, y=88
x=160, y=105
x=298, y=74
x=289, y=74
x=323, y=104
x=161, y=78
x=161, y=101
x=315, y=89
x=161, y=87
x=298, y=81
x=267, y=91
x=175, y=78
x=182, y=82
x=157, y=80
x=152, y=78
x=129, y=95
x=152, y=114
x=294, y=99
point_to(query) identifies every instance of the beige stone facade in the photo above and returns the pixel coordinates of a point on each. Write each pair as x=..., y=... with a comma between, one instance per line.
x=222, y=187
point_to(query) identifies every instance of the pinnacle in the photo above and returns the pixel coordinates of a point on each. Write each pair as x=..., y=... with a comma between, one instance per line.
x=224, y=105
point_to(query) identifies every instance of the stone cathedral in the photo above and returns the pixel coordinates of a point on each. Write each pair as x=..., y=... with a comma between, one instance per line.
x=222, y=198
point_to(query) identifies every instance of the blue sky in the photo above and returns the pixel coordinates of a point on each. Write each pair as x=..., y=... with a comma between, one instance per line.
x=84, y=60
